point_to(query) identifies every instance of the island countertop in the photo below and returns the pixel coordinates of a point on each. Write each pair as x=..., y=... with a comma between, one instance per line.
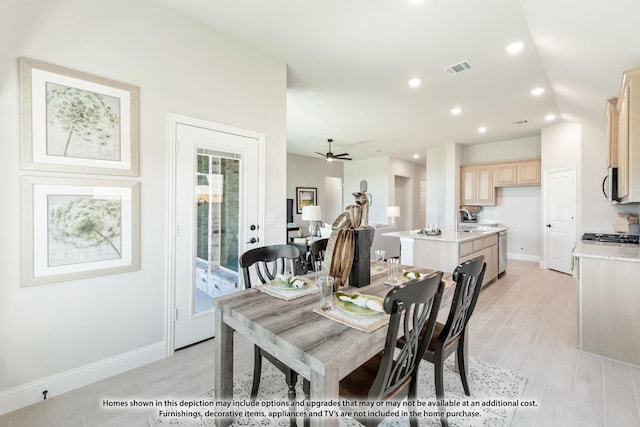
x=612, y=251
x=448, y=234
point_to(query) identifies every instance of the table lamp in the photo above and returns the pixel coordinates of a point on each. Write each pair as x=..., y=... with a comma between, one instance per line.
x=393, y=212
x=313, y=214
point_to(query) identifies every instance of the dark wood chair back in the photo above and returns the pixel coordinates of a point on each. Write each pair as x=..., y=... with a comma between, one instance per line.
x=468, y=277
x=267, y=262
x=415, y=304
x=318, y=249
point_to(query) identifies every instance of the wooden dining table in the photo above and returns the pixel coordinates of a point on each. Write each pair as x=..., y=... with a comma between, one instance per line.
x=316, y=347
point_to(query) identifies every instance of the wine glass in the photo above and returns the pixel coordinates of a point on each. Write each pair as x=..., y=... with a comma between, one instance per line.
x=379, y=258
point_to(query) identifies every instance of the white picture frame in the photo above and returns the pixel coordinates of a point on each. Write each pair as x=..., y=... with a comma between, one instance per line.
x=74, y=229
x=76, y=122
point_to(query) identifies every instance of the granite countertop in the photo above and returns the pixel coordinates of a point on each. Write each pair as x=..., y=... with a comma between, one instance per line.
x=447, y=235
x=612, y=251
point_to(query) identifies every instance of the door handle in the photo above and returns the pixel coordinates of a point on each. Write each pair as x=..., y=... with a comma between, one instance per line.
x=253, y=240
x=548, y=225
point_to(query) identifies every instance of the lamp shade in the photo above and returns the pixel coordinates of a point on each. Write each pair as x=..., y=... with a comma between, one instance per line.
x=393, y=211
x=311, y=213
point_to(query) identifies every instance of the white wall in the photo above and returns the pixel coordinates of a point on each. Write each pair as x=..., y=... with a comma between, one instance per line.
x=305, y=171
x=502, y=151
x=599, y=214
x=518, y=208
x=376, y=172
x=65, y=334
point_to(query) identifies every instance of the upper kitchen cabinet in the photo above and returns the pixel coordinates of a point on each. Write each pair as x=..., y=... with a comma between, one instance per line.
x=612, y=131
x=517, y=173
x=477, y=185
x=505, y=174
x=529, y=172
x=623, y=120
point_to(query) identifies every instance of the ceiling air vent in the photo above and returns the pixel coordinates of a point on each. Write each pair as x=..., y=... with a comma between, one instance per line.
x=457, y=68
x=520, y=122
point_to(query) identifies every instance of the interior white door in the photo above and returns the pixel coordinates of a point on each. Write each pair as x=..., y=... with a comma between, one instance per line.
x=560, y=208
x=217, y=214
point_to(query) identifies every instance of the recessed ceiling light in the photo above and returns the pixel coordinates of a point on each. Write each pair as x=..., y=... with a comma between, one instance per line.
x=416, y=156
x=550, y=117
x=515, y=47
x=482, y=129
x=537, y=91
x=415, y=82
x=456, y=110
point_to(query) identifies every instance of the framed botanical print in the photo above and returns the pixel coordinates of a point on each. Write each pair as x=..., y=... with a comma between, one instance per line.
x=76, y=122
x=74, y=229
x=306, y=196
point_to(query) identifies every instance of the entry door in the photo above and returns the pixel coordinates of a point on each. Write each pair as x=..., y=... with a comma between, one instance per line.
x=560, y=207
x=217, y=213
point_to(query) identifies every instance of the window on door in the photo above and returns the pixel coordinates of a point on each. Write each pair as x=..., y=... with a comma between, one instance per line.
x=217, y=228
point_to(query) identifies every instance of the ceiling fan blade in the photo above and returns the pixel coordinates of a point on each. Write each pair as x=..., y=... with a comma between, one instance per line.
x=343, y=154
x=344, y=158
x=321, y=154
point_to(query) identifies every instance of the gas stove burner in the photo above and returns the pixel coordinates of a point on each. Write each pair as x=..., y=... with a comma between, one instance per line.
x=610, y=238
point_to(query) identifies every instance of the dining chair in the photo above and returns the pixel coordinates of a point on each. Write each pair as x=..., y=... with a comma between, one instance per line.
x=451, y=336
x=392, y=375
x=318, y=249
x=266, y=262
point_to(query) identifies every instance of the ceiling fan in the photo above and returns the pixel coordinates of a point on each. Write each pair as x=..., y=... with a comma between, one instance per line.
x=330, y=157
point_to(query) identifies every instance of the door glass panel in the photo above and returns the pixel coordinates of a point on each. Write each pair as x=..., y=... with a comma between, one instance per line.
x=217, y=225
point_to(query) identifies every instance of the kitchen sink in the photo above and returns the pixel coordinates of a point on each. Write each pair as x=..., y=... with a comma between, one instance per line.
x=478, y=229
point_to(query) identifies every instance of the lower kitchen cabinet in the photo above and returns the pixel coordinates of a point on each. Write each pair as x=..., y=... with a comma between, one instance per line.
x=488, y=247
x=608, y=315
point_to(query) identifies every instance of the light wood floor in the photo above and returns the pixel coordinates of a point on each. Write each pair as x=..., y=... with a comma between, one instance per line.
x=525, y=322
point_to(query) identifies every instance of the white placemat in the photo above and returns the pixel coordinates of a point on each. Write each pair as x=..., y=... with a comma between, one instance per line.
x=288, y=294
x=366, y=324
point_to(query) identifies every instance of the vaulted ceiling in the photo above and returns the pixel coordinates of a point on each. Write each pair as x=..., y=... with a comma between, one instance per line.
x=349, y=63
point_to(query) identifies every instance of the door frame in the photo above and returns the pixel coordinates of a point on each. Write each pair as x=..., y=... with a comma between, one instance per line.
x=173, y=120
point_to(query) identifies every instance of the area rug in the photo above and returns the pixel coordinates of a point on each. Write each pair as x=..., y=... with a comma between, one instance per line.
x=495, y=394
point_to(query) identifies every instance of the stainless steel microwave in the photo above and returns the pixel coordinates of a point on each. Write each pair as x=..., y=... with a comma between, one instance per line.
x=610, y=185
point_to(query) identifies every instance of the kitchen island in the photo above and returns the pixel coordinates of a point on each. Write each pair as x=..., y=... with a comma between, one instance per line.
x=446, y=250
x=608, y=299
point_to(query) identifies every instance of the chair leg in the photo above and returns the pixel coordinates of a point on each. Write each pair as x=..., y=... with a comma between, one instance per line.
x=461, y=360
x=292, y=378
x=306, y=388
x=257, y=371
x=439, y=380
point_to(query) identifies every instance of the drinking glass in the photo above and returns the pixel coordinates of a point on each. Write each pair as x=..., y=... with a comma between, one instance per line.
x=288, y=271
x=326, y=292
x=379, y=259
x=392, y=270
x=317, y=267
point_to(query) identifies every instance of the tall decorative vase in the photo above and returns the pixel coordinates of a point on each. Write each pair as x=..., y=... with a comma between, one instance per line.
x=360, y=274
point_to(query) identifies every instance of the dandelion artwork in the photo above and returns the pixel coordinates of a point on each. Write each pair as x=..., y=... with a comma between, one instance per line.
x=82, y=123
x=77, y=122
x=83, y=229
x=78, y=228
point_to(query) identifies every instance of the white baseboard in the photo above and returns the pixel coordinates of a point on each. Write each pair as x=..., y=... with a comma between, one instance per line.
x=29, y=393
x=524, y=257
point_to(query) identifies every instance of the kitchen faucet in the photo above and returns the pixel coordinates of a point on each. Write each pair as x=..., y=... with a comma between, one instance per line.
x=455, y=223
